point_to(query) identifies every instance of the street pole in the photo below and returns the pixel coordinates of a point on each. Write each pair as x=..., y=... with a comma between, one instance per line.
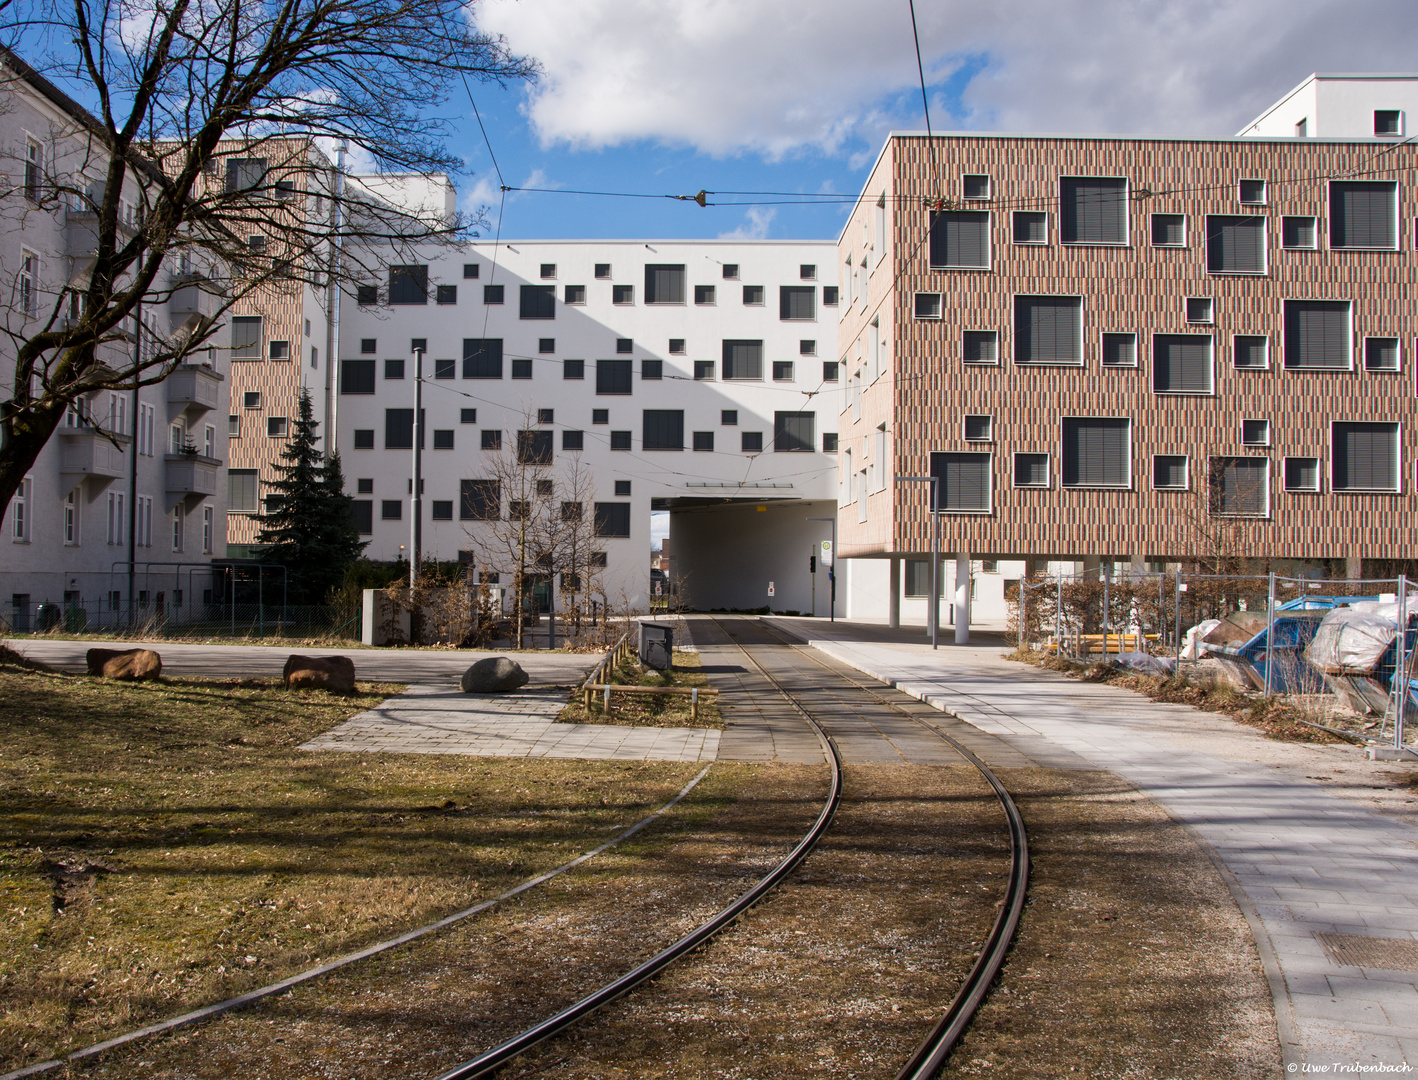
x=416, y=526
x=933, y=607
x=831, y=568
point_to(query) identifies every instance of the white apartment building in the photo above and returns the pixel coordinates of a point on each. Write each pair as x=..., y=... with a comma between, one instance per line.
x=698, y=378
x=127, y=499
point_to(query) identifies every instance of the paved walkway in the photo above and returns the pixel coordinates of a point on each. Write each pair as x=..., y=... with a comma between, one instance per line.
x=1329, y=884
x=441, y=719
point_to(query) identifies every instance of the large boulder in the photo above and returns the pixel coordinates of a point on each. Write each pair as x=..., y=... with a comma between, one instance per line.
x=333, y=673
x=125, y=664
x=495, y=675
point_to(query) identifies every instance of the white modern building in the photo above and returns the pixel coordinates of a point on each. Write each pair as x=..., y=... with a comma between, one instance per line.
x=127, y=499
x=1329, y=106
x=694, y=377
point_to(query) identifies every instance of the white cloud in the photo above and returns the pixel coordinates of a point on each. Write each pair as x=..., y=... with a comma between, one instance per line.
x=726, y=76
x=755, y=225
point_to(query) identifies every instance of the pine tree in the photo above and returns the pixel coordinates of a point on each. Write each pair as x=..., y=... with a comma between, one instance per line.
x=311, y=529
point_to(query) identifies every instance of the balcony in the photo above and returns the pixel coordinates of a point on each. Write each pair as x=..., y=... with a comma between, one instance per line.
x=190, y=477
x=197, y=389
x=90, y=451
x=194, y=297
x=81, y=237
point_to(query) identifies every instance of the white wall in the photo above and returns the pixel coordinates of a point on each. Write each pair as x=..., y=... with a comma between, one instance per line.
x=1340, y=107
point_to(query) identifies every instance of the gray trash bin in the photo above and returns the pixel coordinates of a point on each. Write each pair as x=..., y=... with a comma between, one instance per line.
x=657, y=645
x=47, y=617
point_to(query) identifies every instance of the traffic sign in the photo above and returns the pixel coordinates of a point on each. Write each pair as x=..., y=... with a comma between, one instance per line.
x=827, y=553
x=770, y=588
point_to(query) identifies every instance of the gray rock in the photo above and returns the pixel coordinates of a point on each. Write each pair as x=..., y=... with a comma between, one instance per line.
x=495, y=675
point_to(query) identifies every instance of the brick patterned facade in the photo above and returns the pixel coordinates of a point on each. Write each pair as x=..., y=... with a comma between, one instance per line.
x=925, y=390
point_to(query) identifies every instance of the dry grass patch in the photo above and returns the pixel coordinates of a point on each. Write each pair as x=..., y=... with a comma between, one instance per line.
x=165, y=845
x=650, y=710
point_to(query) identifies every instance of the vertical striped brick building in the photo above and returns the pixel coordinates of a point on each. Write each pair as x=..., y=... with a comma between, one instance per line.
x=1133, y=349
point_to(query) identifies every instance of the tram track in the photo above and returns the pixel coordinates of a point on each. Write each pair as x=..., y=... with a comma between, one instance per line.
x=932, y=1051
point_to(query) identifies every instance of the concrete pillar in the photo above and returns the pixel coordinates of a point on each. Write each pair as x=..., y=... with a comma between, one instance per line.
x=1353, y=567
x=893, y=609
x=962, y=599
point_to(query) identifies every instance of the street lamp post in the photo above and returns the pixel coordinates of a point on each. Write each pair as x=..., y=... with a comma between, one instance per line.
x=831, y=569
x=416, y=528
x=933, y=608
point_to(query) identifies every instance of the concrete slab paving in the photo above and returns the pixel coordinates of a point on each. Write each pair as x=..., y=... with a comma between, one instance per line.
x=441, y=719
x=1303, y=858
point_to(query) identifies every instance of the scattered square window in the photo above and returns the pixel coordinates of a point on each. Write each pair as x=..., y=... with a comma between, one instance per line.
x=573, y=369
x=521, y=368
x=742, y=359
x=1199, y=309
x=364, y=439
x=624, y=346
x=482, y=358
x=546, y=345
x=1048, y=330
x=603, y=270
x=620, y=440
x=393, y=369
x=751, y=442
x=1252, y=192
x=446, y=294
x=981, y=346
x=233, y=425
x=928, y=305
x=1031, y=470
x=445, y=369
x=1317, y=334
x=704, y=440
x=368, y=346
x=491, y=439
x=731, y=271
x=443, y=438
x=1181, y=363
x=442, y=510
x=1093, y=210
x=280, y=350
x=960, y=239
x=797, y=302
x=548, y=270
x=600, y=416
x=622, y=489
x=574, y=294
x=829, y=442
x=251, y=399
x=664, y=283
x=492, y=294
x=1302, y=474
x=546, y=416
x=1239, y=486
x=622, y=294
x=704, y=294
x=964, y=482
x=1381, y=354
x=1169, y=472
x=613, y=376
x=1388, y=122
x=807, y=348
x=1298, y=233
x=1029, y=227
x=1120, y=350
x=753, y=295
x=1169, y=230
x=1235, y=245
x=1363, y=214
x=782, y=371
x=1255, y=432
x=1097, y=452
x=467, y=416
x=979, y=429
x=276, y=427
x=366, y=295
x=573, y=440
x=652, y=369
x=975, y=186
x=703, y=370
x=830, y=370
x=365, y=485
x=728, y=417
x=612, y=519
x=1251, y=352
x=829, y=296
x=391, y=510
x=676, y=346
x=470, y=270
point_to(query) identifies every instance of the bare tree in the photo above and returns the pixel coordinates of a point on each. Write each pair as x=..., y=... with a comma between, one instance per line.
x=199, y=166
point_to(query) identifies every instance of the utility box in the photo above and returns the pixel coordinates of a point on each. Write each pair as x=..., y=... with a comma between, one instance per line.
x=657, y=645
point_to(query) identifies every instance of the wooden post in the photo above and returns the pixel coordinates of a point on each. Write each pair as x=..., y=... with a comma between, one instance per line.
x=694, y=703
x=607, y=705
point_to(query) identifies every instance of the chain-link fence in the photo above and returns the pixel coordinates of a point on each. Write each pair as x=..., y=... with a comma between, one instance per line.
x=179, y=622
x=1341, y=651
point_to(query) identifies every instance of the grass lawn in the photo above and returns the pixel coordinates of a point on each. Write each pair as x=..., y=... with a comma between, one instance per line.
x=650, y=710
x=165, y=845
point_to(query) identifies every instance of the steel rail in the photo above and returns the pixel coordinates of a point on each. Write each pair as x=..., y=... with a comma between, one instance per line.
x=932, y=1052
x=499, y=1056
